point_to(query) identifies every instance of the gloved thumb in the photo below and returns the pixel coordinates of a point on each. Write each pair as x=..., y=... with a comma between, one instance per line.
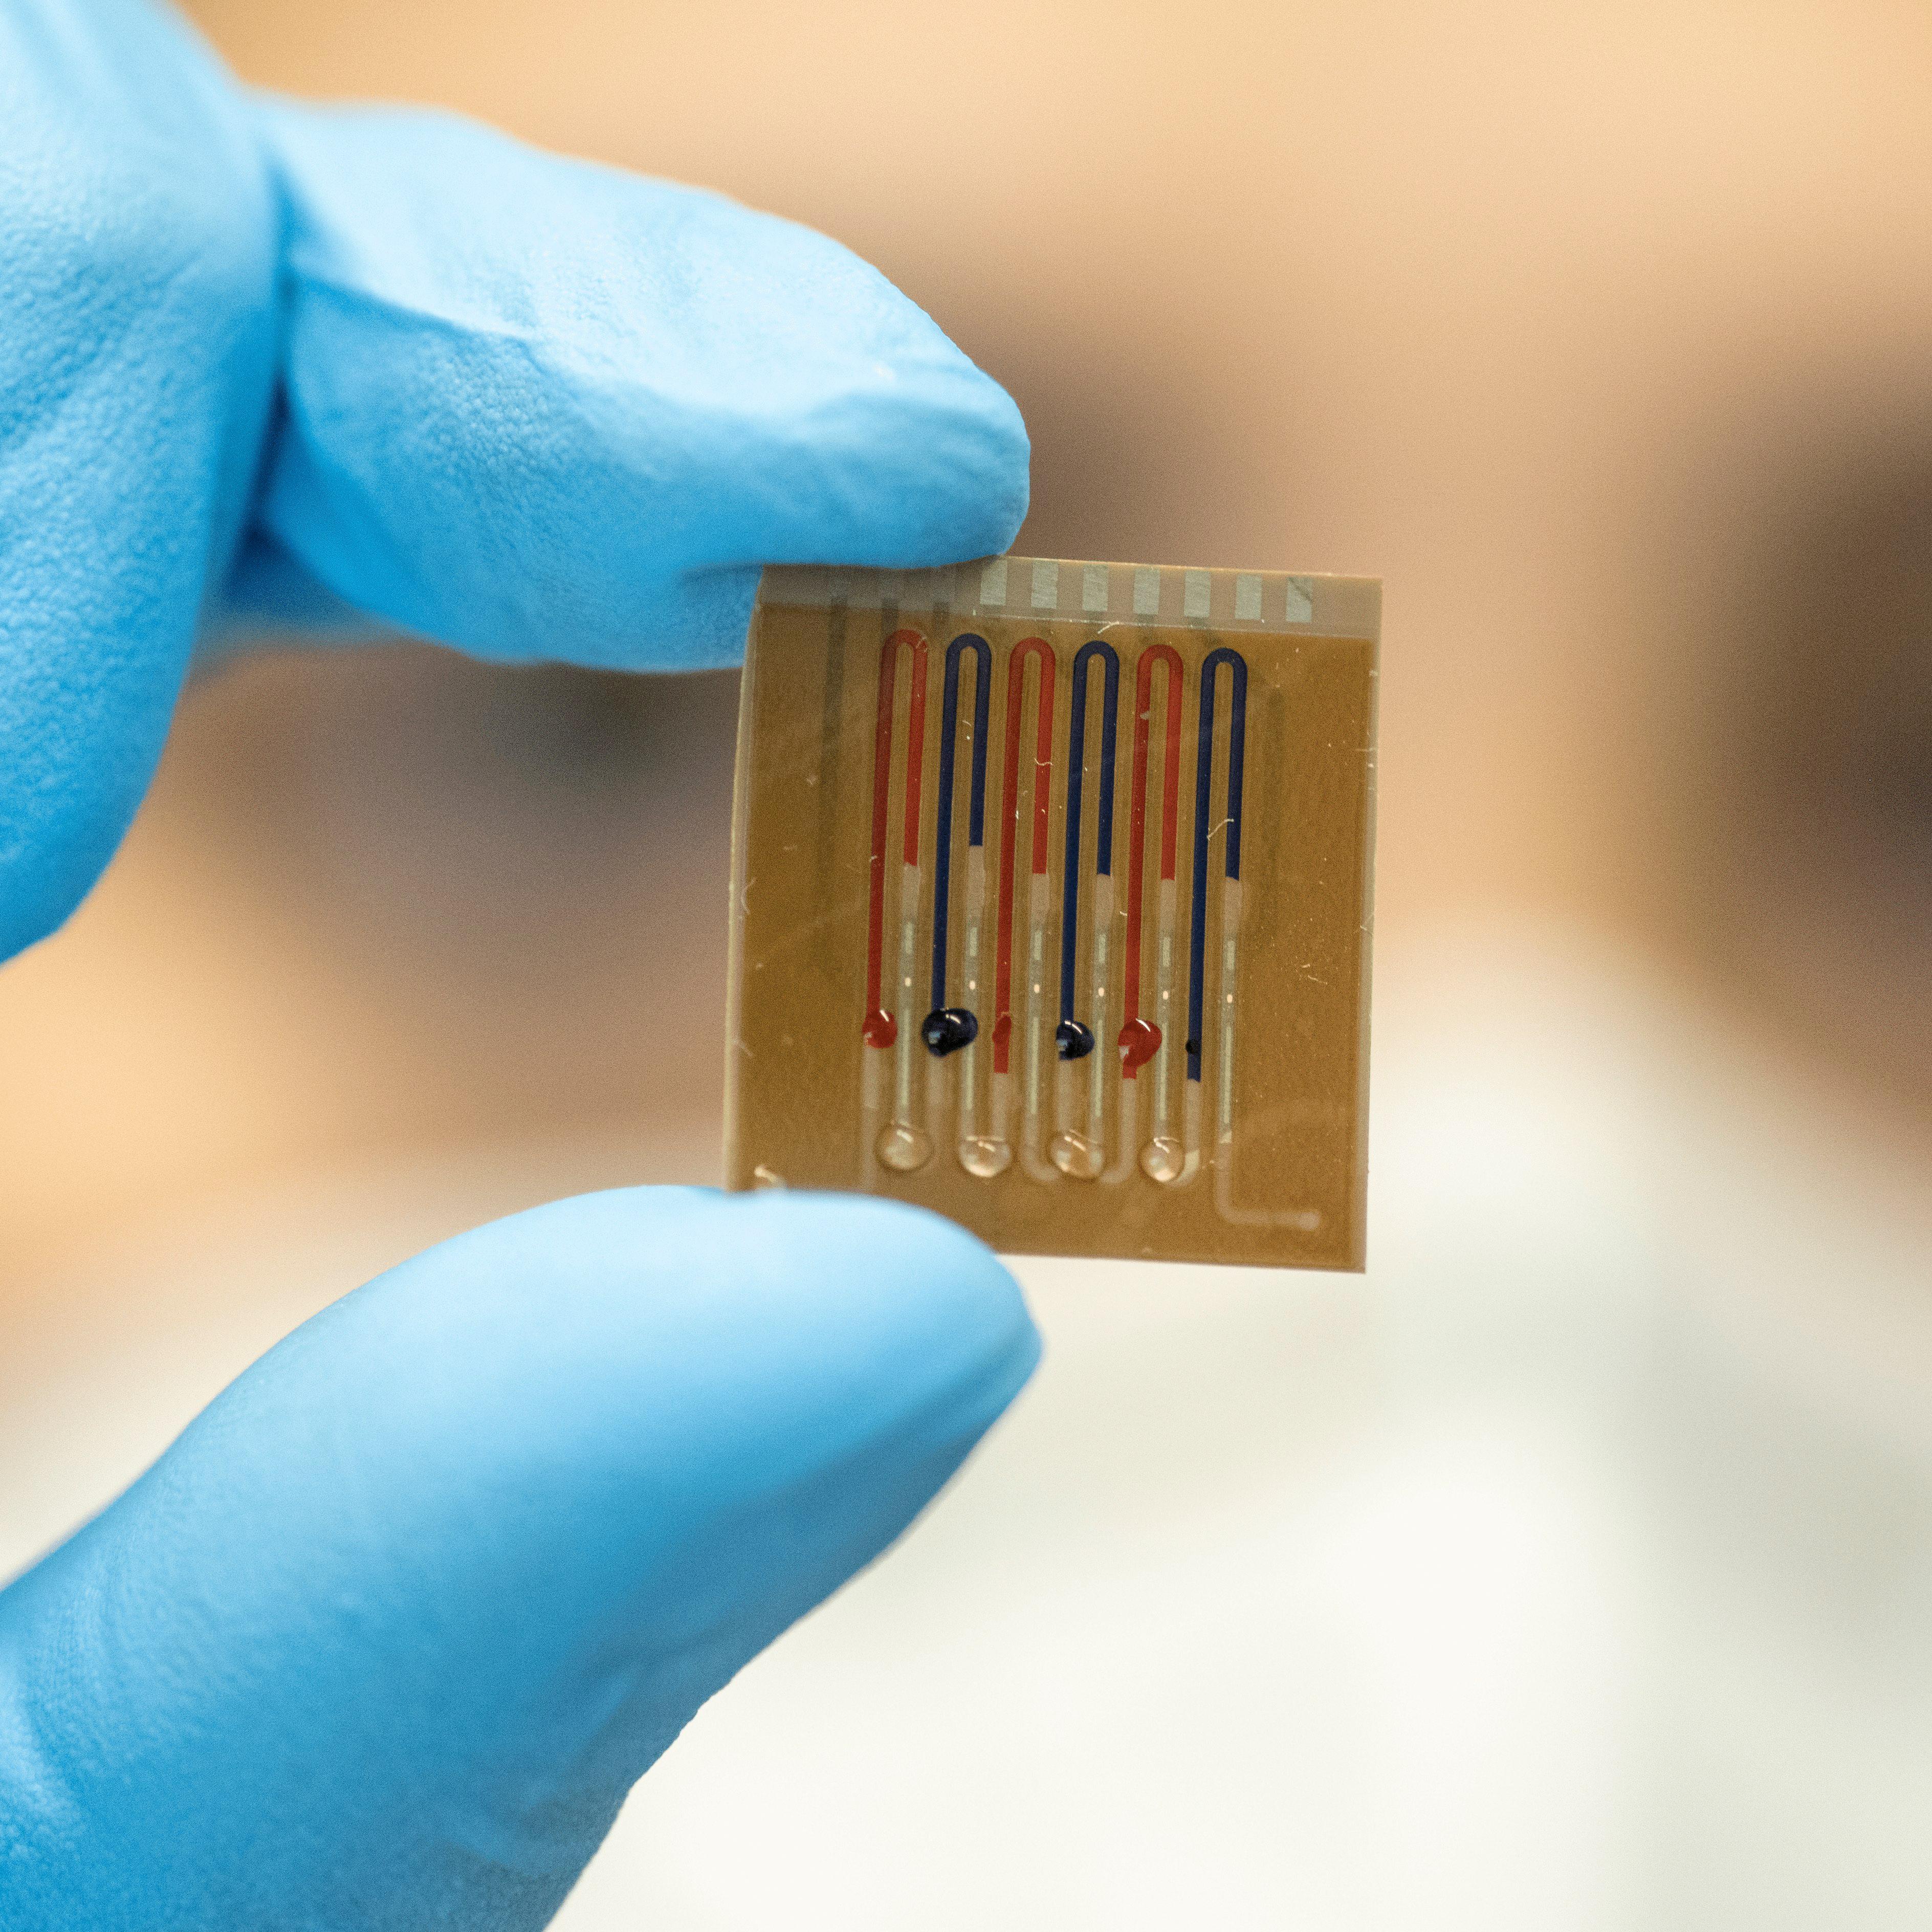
x=386, y=1635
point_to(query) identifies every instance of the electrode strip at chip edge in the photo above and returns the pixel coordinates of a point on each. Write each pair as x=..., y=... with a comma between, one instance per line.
x=1073, y=591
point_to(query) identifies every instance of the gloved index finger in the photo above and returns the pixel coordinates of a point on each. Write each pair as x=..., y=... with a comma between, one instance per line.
x=539, y=408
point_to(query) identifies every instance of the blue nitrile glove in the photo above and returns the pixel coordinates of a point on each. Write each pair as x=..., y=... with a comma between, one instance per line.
x=385, y=1637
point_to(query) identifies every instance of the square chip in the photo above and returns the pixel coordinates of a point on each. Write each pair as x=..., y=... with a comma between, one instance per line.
x=1050, y=903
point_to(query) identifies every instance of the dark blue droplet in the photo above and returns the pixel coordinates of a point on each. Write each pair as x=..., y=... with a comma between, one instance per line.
x=1074, y=1041
x=946, y=1029
x=1194, y=1048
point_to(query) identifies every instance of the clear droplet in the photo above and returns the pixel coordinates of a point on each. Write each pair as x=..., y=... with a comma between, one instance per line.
x=904, y=1147
x=1163, y=1158
x=982, y=1157
x=1075, y=1155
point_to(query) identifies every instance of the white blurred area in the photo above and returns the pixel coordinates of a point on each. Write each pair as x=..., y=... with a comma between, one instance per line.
x=1572, y=1571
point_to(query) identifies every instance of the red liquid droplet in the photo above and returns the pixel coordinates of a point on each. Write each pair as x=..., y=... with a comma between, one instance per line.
x=880, y=1029
x=1140, y=1041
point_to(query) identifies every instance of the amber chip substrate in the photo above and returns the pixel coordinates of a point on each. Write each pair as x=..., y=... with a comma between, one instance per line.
x=1051, y=895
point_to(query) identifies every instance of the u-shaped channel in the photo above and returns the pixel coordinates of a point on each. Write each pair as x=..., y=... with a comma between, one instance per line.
x=1142, y=1040
x=1078, y=1149
x=949, y=1029
x=1231, y=898
x=1040, y=651
x=902, y=1143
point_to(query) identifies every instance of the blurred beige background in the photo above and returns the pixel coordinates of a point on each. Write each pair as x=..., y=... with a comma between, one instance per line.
x=1568, y=1573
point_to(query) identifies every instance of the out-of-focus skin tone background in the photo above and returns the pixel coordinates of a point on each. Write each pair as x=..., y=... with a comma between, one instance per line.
x=1605, y=337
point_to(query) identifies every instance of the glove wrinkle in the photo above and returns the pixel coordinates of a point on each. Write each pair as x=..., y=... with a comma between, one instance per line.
x=136, y=314
x=525, y=445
